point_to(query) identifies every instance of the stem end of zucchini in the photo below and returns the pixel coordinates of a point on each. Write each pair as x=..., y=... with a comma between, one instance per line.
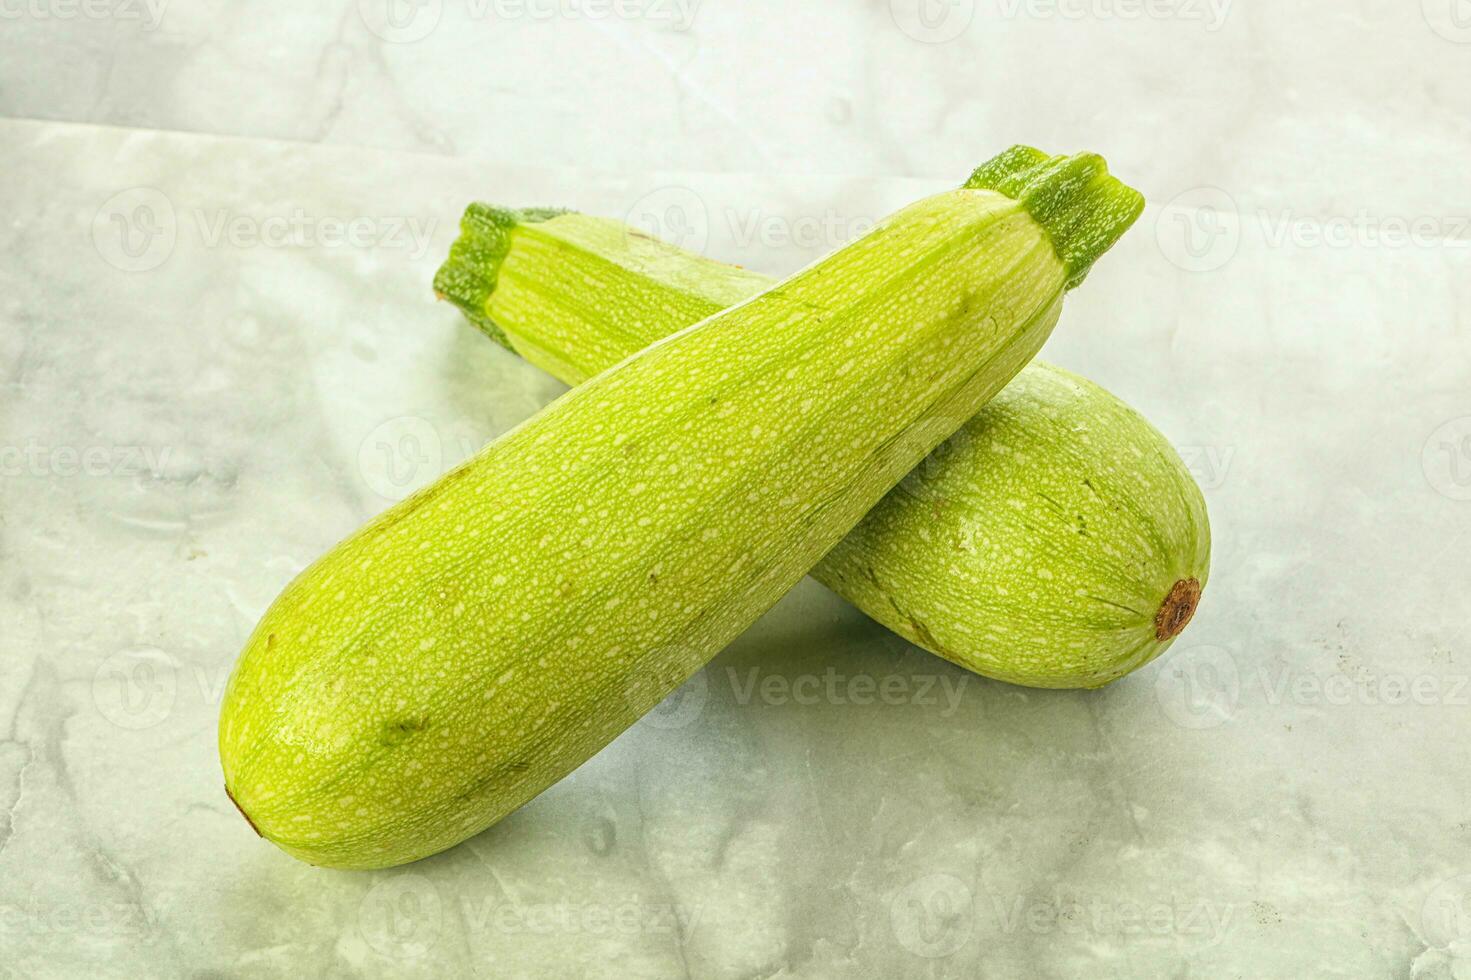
x=1082, y=206
x=468, y=277
x=1177, y=610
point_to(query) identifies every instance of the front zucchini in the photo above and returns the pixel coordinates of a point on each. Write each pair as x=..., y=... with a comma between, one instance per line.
x=480, y=640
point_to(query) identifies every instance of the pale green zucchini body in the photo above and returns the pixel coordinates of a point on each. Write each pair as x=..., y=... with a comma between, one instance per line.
x=483, y=638
x=1056, y=541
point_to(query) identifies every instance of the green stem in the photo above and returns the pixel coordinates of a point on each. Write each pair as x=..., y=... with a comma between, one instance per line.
x=1083, y=208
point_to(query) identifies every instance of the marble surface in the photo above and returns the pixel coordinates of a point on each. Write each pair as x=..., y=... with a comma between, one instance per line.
x=219, y=354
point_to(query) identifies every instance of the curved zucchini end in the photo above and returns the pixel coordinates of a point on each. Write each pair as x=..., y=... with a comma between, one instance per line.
x=469, y=275
x=1082, y=206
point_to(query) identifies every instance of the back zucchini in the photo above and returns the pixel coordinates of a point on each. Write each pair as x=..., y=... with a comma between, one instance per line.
x=1055, y=541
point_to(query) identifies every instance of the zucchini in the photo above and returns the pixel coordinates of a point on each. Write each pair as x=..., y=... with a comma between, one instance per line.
x=1055, y=541
x=480, y=640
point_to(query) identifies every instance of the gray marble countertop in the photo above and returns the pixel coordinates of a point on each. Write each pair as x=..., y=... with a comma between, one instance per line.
x=219, y=354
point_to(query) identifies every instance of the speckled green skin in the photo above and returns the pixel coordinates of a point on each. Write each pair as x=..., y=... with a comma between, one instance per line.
x=1036, y=546
x=480, y=640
